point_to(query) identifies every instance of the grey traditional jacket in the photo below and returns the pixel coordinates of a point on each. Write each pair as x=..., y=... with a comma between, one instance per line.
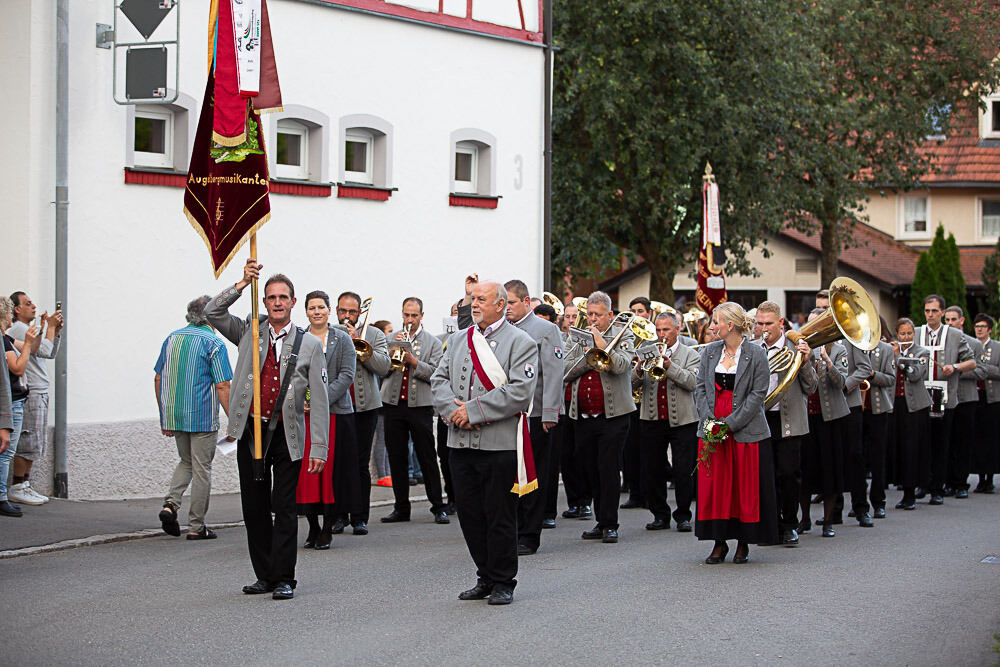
x=309, y=372
x=793, y=406
x=427, y=349
x=549, y=388
x=859, y=368
x=991, y=364
x=6, y=411
x=747, y=421
x=681, y=380
x=832, y=401
x=368, y=374
x=494, y=411
x=956, y=350
x=914, y=375
x=883, y=383
x=341, y=361
x=968, y=390
x=616, y=383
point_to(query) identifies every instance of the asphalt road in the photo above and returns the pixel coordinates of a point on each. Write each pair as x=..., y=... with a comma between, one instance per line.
x=911, y=591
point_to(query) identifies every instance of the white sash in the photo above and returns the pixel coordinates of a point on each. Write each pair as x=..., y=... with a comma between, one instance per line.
x=246, y=33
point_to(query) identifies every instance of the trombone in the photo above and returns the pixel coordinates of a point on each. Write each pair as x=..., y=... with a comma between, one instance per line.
x=600, y=360
x=362, y=347
x=398, y=353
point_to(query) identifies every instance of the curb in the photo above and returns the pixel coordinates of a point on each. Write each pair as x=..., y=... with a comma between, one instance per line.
x=110, y=538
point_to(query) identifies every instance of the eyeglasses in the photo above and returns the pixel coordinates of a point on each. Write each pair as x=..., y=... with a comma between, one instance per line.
x=348, y=311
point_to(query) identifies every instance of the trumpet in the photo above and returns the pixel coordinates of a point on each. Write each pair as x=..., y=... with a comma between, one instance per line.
x=362, y=347
x=554, y=301
x=654, y=367
x=398, y=353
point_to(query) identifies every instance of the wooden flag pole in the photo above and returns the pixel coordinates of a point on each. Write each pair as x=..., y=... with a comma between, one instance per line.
x=258, y=456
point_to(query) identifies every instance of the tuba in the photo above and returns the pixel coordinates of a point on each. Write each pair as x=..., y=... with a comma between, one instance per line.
x=852, y=315
x=581, y=312
x=396, y=362
x=554, y=301
x=600, y=360
x=362, y=347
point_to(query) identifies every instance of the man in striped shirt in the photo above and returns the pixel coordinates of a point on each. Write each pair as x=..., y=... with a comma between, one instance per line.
x=192, y=379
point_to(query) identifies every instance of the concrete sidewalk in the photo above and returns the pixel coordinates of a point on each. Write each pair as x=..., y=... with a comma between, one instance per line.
x=63, y=524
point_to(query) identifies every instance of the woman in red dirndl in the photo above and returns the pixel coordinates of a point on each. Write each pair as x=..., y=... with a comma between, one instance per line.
x=736, y=498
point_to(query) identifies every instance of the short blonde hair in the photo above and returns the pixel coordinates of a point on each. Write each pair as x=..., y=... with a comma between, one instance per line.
x=770, y=307
x=730, y=311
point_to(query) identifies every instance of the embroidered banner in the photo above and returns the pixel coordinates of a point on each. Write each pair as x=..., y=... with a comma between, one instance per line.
x=711, y=290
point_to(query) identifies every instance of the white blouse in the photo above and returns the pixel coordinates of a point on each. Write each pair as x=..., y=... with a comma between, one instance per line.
x=719, y=368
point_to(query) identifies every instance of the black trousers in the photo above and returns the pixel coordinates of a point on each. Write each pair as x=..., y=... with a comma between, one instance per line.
x=551, y=485
x=940, y=441
x=364, y=428
x=402, y=423
x=913, y=456
x=487, y=511
x=984, y=456
x=654, y=439
x=787, y=472
x=574, y=480
x=855, y=475
x=442, y=453
x=631, y=462
x=272, y=543
x=964, y=432
x=531, y=507
x=345, y=466
x=876, y=434
x=599, y=442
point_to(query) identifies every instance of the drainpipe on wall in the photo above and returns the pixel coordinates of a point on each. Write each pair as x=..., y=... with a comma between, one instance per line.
x=60, y=482
x=547, y=155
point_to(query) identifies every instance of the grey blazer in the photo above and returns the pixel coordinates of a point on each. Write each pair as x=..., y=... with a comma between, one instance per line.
x=6, y=411
x=956, y=350
x=832, y=400
x=549, y=388
x=427, y=349
x=793, y=405
x=747, y=421
x=494, y=411
x=341, y=360
x=309, y=372
x=616, y=383
x=682, y=378
x=914, y=375
x=991, y=364
x=859, y=369
x=968, y=389
x=368, y=374
x=883, y=383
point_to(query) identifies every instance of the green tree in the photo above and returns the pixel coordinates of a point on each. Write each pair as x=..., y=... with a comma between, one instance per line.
x=925, y=281
x=991, y=280
x=954, y=281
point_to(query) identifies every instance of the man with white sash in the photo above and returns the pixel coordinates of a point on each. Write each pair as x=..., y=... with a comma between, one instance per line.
x=483, y=389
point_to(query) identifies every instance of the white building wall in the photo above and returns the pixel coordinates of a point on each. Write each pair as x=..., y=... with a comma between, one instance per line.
x=134, y=260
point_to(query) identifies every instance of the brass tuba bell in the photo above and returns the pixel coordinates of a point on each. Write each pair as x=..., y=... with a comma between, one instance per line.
x=554, y=301
x=852, y=315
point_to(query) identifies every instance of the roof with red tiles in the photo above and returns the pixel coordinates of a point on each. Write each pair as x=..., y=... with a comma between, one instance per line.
x=964, y=158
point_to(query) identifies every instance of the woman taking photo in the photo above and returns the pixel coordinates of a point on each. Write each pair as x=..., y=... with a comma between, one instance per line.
x=316, y=494
x=736, y=474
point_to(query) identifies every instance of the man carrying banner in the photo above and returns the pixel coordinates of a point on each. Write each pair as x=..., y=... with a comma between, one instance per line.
x=483, y=388
x=292, y=363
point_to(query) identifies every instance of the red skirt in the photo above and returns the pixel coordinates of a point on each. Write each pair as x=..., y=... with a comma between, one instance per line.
x=313, y=489
x=736, y=487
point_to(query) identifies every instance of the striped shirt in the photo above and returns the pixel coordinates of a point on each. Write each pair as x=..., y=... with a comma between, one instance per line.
x=192, y=361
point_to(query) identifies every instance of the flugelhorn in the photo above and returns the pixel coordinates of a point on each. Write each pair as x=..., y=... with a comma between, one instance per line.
x=554, y=301
x=398, y=353
x=657, y=373
x=852, y=315
x=362, y=347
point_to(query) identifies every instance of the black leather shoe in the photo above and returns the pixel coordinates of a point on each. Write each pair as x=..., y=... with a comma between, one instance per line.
x=501, y=596
x=8, y=508
x=594, y=533
x=610, y=536
x=283, y=592
x=658, y=524
x=948, y=492
x=394, y=517
x=338, y=526
x=790, y=538
x=715, y=560
x=804, y=527
x=548, y=523
x=586, y=512
x=936, y=500
x=865, y=520
x=441, y=517
x=311, y=538
x=480, y=591
x=449, y=508
x=879, y=513
x=258, y=587
x=921, y=493
x=205, y=533
x=167, y=516
x=572, y=513
x=632, y=504
x=324, y=540
x=684, y=527
x=525, y=550
x=361, y=528
x=961, y=493
x=828, y=531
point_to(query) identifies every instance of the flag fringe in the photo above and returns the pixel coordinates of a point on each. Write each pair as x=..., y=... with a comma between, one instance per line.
x=201, y=232
x=229, y=141
x=525, y=489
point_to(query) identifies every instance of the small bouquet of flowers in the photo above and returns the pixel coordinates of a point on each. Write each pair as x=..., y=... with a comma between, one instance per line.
x=716, y=431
